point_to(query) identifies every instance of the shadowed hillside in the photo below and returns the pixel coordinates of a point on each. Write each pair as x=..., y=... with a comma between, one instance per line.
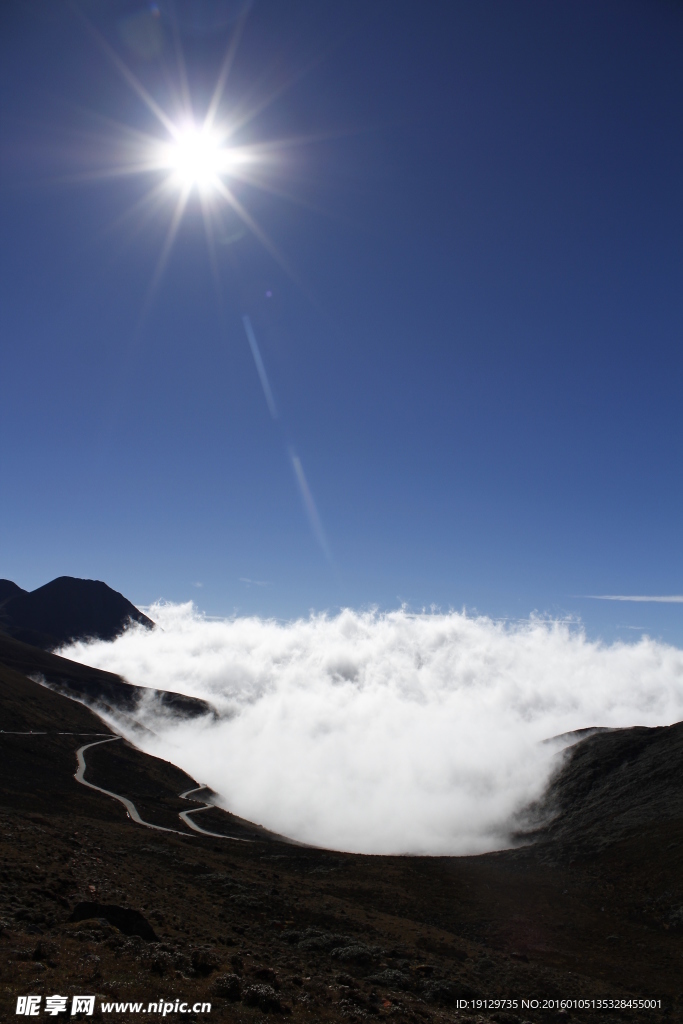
x=9, y=589
x=265, y=926
x=64, y=610
x=93, y=686
x=612, y=784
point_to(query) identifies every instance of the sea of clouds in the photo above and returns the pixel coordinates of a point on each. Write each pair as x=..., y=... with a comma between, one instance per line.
x=384, y=732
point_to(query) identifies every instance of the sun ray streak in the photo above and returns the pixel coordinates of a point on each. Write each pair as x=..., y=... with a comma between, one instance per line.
x=226, y=68
x=165, y=252
x=182, y=68
x=309, y=504
x=251, y=111
x=259, y=233
x=211, y=247
x=263, y=185
x=135, y=84
x=143, y=211
x=260, y=366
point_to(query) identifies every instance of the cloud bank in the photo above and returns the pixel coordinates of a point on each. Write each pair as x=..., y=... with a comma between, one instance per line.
x=665, y=599
x=385, y=733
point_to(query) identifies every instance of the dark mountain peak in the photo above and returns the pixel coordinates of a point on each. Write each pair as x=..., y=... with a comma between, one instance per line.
x=9, y=589
x=68, y=609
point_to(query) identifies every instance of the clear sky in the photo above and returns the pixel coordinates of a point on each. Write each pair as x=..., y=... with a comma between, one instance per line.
x=467, y=316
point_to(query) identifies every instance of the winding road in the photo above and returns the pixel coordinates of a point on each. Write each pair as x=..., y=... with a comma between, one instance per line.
x=128, y=804
x=132, y=809
x=185, y=815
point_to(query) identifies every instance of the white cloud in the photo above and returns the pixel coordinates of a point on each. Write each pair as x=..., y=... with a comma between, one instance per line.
x=666, y=599
x=386, y=733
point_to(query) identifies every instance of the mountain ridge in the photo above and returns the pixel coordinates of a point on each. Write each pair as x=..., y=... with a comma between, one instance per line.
x=65, y=610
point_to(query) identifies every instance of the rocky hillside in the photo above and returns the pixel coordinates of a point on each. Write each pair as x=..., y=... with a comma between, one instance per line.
x=612, y=784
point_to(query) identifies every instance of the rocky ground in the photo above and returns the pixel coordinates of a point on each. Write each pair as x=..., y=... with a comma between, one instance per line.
x=263, y=928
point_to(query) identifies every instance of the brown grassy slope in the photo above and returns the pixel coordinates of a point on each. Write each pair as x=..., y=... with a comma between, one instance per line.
x=37, y=770
x=27, y=705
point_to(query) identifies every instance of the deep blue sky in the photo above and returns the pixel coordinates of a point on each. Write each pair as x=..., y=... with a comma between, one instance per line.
x=479, y=363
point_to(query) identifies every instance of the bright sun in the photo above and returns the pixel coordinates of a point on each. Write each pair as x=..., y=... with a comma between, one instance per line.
x=196, y=158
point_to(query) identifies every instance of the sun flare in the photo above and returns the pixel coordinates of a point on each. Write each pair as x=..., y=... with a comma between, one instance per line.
x=196, y=158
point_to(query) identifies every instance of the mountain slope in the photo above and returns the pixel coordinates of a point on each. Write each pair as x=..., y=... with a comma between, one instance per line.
x=66, y=609
x=9, y=589
x=93, y=686
x=612, y=784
